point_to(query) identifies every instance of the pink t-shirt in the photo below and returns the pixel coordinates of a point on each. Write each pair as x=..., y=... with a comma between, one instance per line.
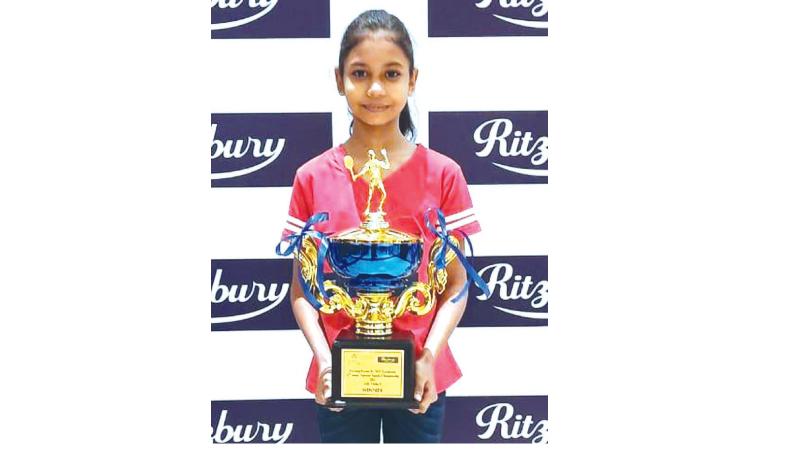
x=427, y=179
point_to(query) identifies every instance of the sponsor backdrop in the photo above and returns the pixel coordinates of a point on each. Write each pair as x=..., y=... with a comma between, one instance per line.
x=513, y=419
x=282, y=109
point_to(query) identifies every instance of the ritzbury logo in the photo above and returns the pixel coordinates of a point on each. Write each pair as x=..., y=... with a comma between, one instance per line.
x=257, y=150
x=494, y=147
x=251, y=294
x=263, y=421
x=452, y=18
x=250, y=19
x=500, y=422
x=507, y=419
x=518, y=292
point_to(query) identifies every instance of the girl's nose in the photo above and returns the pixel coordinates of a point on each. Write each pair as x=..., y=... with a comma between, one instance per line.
x=375, y=88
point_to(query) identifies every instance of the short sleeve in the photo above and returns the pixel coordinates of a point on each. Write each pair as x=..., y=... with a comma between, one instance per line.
x=299, y=207
x=457, y=203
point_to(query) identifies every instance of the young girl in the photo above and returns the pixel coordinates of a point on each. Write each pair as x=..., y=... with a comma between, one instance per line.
x=376, y=75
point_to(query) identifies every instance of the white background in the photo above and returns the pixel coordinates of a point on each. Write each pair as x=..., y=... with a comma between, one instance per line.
x=673, y=245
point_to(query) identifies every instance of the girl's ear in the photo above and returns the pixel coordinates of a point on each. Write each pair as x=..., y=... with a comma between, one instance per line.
x=412, y=82
x=339, y=81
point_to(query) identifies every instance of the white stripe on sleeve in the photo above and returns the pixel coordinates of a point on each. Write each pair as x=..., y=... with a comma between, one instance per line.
x=460, y=223
x=295, y=221
x=457, y=216
x=293, y=228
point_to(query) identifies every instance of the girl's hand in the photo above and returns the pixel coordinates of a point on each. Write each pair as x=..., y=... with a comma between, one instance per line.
x=425, y=390
x=324, y=384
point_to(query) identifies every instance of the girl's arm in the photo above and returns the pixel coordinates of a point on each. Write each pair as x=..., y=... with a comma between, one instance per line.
x=449, y=314
x=446, y=320
x=308, y=320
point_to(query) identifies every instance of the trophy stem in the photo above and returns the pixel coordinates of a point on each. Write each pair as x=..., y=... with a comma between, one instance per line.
x=377, y=319
x=375, y=221
x=367, y=329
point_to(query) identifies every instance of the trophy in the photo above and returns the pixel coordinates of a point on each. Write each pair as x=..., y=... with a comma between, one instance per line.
x=372, y=364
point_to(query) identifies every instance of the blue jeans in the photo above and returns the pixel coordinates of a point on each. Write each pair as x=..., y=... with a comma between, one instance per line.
x=399, y=425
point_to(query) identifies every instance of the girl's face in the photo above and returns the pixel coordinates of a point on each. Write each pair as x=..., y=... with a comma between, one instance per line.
x=376, y=80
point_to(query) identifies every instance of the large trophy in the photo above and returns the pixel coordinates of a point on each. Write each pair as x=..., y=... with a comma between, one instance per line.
x=372, y=364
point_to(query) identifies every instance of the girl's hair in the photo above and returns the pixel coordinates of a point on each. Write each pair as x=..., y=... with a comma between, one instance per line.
x=372, y=21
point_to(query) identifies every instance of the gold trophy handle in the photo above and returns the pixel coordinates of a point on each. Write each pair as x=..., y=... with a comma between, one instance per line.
x=437, y=279
x=307, y=255
x=340, y=299
x=409, y=301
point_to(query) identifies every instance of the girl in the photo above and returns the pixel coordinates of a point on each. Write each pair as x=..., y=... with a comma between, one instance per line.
x=376, y=75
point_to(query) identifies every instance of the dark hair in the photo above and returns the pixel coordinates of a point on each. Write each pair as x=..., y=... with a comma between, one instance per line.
x=377, y=20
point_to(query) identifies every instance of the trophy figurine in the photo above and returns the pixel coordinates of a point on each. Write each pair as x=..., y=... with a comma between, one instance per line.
x=372, y=364
x=372, y=168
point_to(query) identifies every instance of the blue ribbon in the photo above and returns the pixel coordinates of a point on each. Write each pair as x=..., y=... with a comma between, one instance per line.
x=440, y=259
x=295, y=242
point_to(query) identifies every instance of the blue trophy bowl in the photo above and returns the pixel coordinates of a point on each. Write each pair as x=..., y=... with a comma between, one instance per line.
x=374, y=266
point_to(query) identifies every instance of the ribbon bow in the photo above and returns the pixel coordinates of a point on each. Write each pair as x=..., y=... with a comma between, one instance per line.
x=440, y=259
x=295, y=242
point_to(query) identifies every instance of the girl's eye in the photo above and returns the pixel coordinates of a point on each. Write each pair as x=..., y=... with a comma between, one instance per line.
x=359, y=73
x=392, y=74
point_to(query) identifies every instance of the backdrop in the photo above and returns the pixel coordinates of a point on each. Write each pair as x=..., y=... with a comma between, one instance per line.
x=481, y=99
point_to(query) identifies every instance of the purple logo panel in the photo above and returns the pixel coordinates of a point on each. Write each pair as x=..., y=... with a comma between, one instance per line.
x=494, y=147
x=265, y=149
x=250, y=19
x=518, y=292
x=503, y=420
x=251, y=294
x=506, y=419
x=264, y=421
x=457, y=18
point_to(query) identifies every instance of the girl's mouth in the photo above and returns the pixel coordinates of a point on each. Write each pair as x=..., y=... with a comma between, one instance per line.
x=376, y=108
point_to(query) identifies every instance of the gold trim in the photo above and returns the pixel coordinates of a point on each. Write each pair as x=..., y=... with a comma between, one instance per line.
x=365, y=235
